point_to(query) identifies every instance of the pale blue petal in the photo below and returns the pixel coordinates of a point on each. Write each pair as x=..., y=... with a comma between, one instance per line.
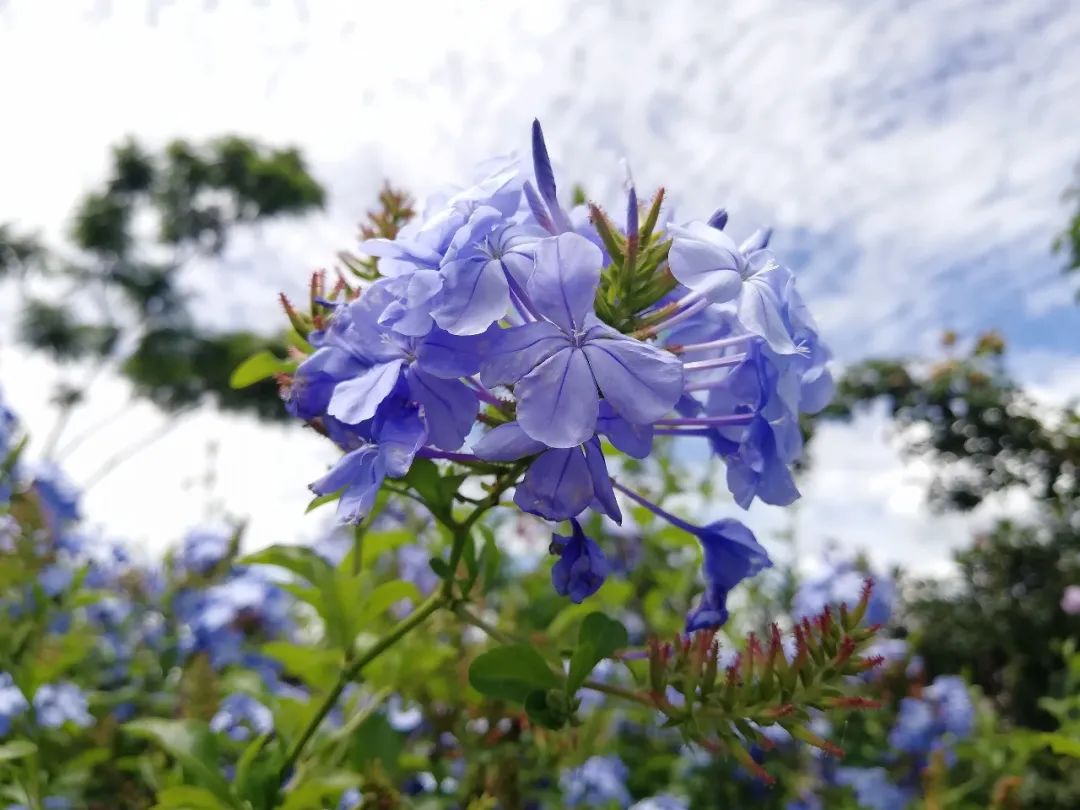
x=564, y=279
x=400, y=433
x=557, y=486
x=705, y=260
x=356, y=400
x=602, y=488
x=510, y=354
x=507, y=443
x=759, y=311
x=475, y=295
x=450, y=408
x=641, y=382
x=634, y=440
x=441, y=354
x=557, y=401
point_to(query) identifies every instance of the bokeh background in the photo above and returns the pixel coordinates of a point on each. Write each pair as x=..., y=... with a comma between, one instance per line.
x=912, y=157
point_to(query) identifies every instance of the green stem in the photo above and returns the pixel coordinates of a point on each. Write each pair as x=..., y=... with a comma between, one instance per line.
x=468, y=616
x=352, y=670
x=618, y=691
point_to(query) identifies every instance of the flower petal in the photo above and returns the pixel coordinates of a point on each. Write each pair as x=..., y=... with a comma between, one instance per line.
x=355, y=401
x=705, y=260
x=448, y=356
x=759, y=311
x=510, y=354
x=507, y=443
x=557, y=401
x=641, y=382
x=602, y=488
x=450, y=408
x=475, y=294
x=564, y=279
x=557, y=486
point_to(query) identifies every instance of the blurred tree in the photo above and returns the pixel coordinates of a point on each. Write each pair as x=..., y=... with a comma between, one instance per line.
x=984, y=434
x=123, y=304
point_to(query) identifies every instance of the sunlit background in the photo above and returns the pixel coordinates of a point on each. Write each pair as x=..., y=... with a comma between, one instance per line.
x=911, y=155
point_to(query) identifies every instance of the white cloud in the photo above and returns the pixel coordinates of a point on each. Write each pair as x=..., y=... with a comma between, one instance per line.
x=929, y=142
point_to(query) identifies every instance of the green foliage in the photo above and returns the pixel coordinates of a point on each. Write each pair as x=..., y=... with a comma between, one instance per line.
x=130, y=284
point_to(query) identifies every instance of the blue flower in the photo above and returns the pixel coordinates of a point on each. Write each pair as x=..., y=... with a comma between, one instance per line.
x=598, y=782
x=12, y=703
x=394, y=436
x=731, y=554
x=873, y=789
x=943, y=713
x=60, y=703
x=55, y=579
x=709, y=263
x=581, y=568
x=840, y=582
x=662, y=801
x=202, y=549
x=363, y=365
x=240, y=717
x=559, y=363
x=560, y=483
x=57, y=496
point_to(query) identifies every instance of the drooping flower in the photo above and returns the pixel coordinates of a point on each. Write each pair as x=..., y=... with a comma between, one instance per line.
x=582, y=566
x=386, y=448
x=241, y=716
x=561, y=482
x=58, y=703
x=563, y=363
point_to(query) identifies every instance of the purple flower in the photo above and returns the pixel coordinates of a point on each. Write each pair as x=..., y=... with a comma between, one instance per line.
x=873, y=789
x=561, y=482
x=12, y=703
x=709, y=263
x=241, y=716
x=394, y=437
x=581, y=568
x=840, y=582
x=60, y=703
x=55, y=579
x=371, y=359
x=58, y=497
x=731, y=554
x=598, y=782
x=204, y=548
x=558, y=363
x=942, y=713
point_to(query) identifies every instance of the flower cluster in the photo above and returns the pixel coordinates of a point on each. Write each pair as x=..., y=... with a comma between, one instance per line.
x=544, y=340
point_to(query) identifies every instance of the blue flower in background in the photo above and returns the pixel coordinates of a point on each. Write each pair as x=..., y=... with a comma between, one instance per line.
x=60, y=703
x=203, y=548
x=942, y=714
x=581, y=568
x=873, y=788
x=241, y=717
x=57, y=496
x=55, y=579
x=662, y=801
x=560, y=362
x=599, y=781
x=12, y=703
x=840, y=582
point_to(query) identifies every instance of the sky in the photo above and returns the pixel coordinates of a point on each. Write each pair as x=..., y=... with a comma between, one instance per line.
x=911, y=155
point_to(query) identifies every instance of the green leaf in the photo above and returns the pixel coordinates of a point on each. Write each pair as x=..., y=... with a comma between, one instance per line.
x=598, y=638
x=16, y=749
x=322, y=500
x=256, y=368
x=1061, y=744
x=192, y=745
x=511, y=672
x=376, y=740
x=388, y=594
x=186, y=797
x=314, y=666
x=300, y=560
